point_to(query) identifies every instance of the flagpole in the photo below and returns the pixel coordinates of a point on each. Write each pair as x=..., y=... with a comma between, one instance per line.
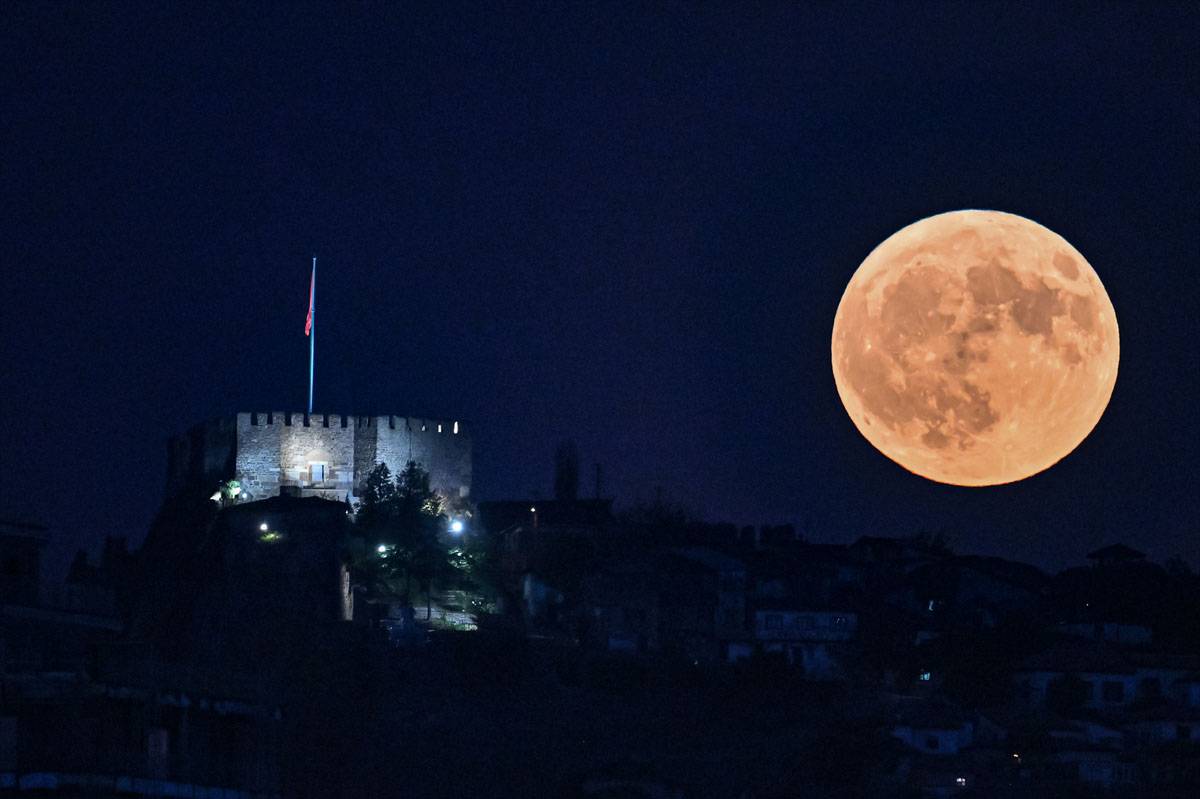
x=312, y=333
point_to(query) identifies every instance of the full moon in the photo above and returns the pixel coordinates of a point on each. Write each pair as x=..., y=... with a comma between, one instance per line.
x=975, y=348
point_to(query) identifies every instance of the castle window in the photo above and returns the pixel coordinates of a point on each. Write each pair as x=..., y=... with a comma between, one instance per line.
x=439, y=428
x=316, y=472
x=456, y=428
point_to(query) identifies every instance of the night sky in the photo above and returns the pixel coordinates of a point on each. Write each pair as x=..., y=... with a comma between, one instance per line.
x=628, y=229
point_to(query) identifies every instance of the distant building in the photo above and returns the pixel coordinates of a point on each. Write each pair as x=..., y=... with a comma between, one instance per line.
x=266, y=570
x=1109, y=631
x=325, y=455
x=935, y=728
x=543, y=545
x=1108, y=678
x=687, y=601
x=84, y=711
x=810, y=638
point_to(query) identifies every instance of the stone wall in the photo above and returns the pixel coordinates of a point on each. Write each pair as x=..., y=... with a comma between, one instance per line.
x=443, y=448
x=266, y=451
x=279, y=449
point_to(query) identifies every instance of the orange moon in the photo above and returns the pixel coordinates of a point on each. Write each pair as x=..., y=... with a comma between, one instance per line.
x=975, y=348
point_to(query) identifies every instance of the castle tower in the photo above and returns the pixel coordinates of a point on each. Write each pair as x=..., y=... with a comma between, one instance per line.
x=326, y=455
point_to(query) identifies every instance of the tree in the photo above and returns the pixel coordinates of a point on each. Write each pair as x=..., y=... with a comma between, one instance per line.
x=403, y=526
x=229, y=492
x=475, y=570
x=566, y=472
x=376, y=505
x=405, y=540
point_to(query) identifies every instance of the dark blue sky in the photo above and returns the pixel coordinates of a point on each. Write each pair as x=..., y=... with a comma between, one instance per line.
x=625, y=227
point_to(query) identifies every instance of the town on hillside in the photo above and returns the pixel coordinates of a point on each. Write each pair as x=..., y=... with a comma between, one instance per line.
x=321, y=609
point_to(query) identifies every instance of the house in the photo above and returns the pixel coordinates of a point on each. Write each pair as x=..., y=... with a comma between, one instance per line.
x=620, y=601
x=85, y=711
x=814, y=639
x=971, y=590
x=1095, y=764
x=1113, y=632
x=77, y=736
x=1161, y=721
x=686, y=601
x=904, y=554
x=545, y=547
x=1107, y=678
x=809, y=573
x=1187, y=689
x=934, y=728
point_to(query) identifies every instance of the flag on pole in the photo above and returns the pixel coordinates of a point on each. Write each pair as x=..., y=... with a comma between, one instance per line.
x=312, y=285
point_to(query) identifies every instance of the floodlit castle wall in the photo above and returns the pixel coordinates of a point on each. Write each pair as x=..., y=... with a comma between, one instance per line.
x=441, y=447
x=325, y=455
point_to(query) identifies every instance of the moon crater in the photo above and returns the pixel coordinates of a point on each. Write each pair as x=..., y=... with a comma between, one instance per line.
x=975, y=348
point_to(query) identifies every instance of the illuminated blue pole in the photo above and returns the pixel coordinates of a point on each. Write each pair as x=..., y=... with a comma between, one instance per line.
x=312, y=333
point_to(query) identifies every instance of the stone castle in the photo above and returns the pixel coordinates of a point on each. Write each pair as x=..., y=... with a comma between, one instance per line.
x=325, y=455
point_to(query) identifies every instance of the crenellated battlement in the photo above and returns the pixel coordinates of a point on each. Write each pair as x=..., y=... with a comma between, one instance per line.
x=412, y=424
x=325, y=454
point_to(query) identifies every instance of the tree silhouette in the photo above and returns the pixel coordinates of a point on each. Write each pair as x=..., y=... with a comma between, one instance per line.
x=403, y=523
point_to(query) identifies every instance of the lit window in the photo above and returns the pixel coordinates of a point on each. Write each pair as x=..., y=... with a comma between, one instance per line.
x=961, y=782
x=439, y=428
x=456, y=428
x=926, y=676
x=316, y=472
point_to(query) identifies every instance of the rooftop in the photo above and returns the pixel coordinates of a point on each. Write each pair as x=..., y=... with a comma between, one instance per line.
x=1078, y=655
